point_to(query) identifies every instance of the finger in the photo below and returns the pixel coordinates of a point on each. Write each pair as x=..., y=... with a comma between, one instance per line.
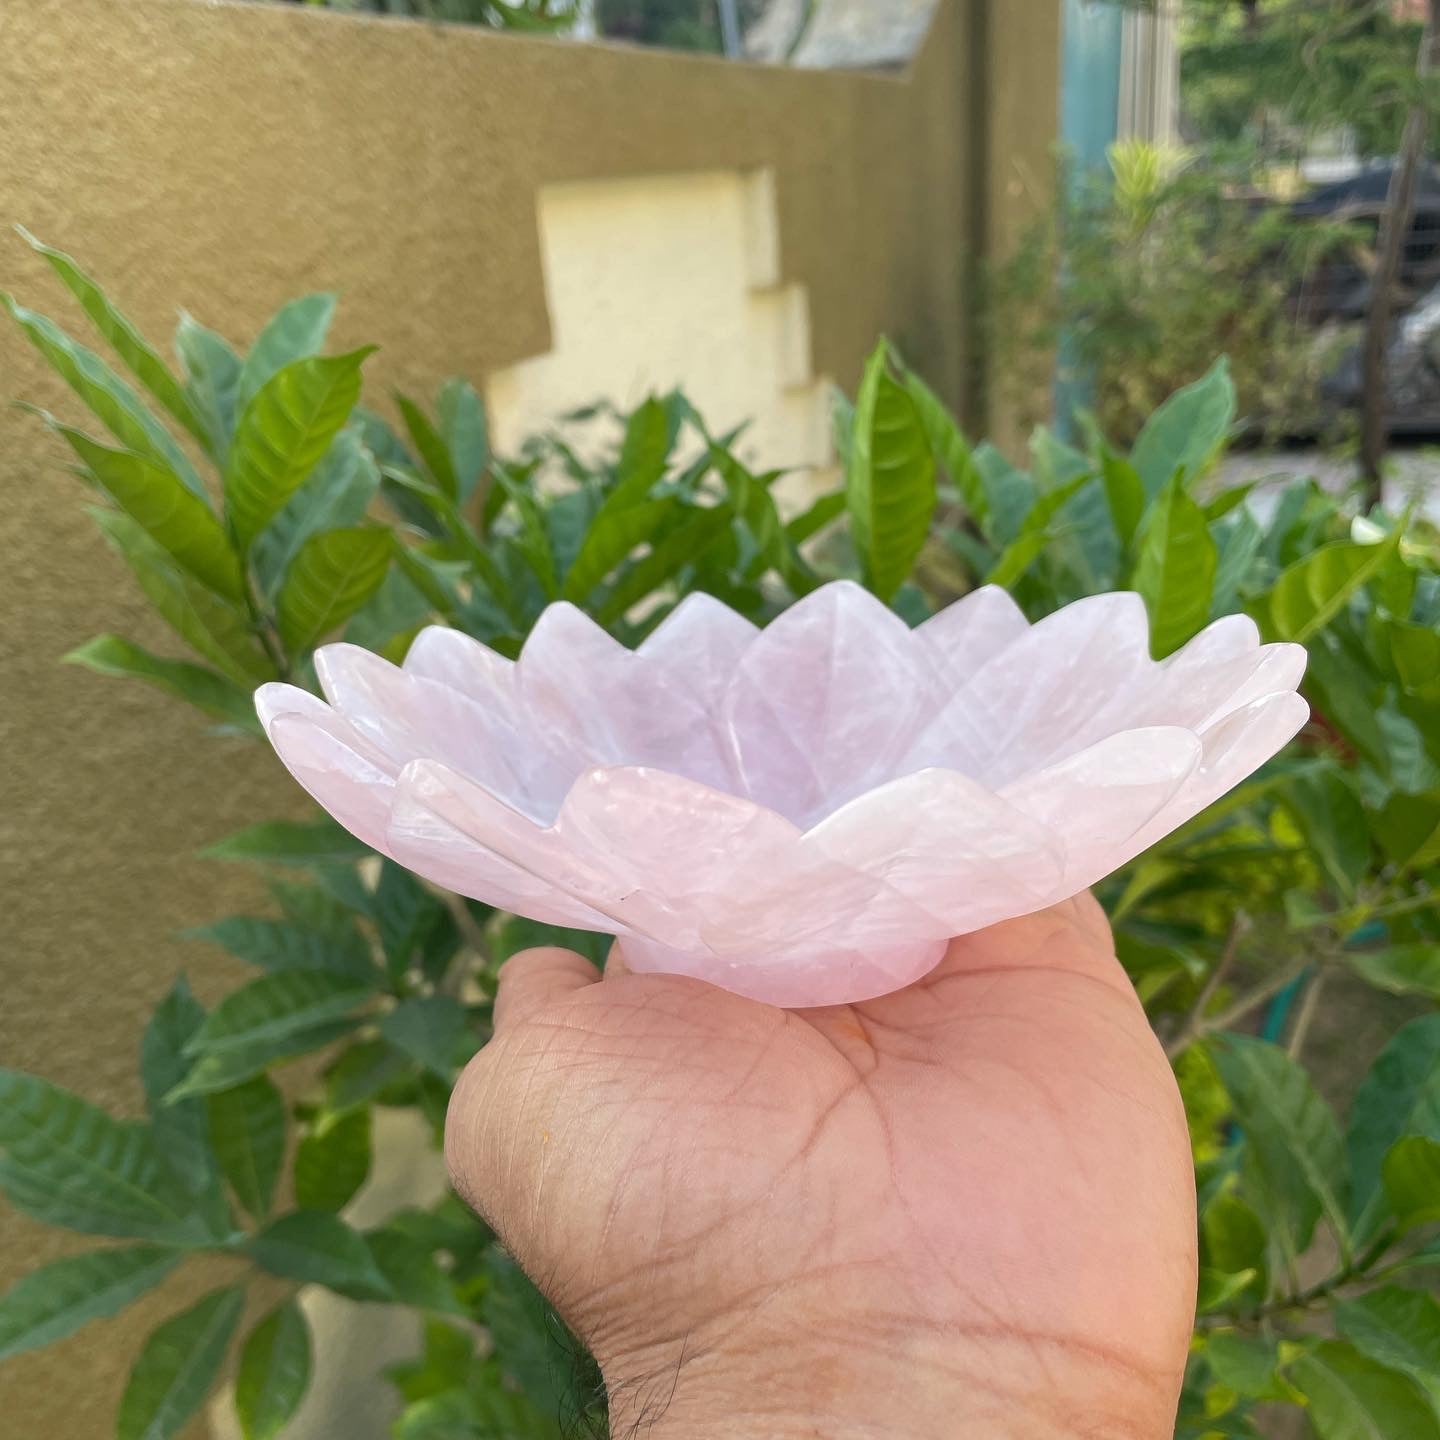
x=534, y=979
x=615, y=965
x=1073, y=935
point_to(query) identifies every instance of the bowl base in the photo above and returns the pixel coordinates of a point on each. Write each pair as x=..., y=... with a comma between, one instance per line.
x=840, y=977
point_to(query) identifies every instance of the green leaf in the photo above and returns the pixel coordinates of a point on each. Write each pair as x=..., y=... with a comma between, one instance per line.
x=1217, y=1288
x=279, y=945
x=683, y=545
x=1017, y=557
x=295, y=332
x=318, y=1248
x=1332, y=820
x=1011, y=493
x=429, y=446
x=284, y=433
x=274, y=1373
x=113, y=402
x=1351, y=1397
x=290, y=842
x=1408, y=829
x=1248, y=1365
x=362, y=1072
x=333, y=1161
x=308, y=907
x=463, y=426
x=334, y=574
x=55, y=1301
x=1411, y=1176
x=1231, y=498
x=1175, y=569
x=407, y=916
x=66, y=1162
x=433, y=1030
x=223, y=1069
x=1239, y=543
x=177, y=1367
x=627, y=517
x=1399, y=1096
x=1187, y=431
x=448, y=1225
x=1292, y=1142
x=950, y=448
x=277, y=1006
x=751, y=500
x=1034, y=533
x=1314, y=590
x=247, y=1132
x=212, y=382
x=527, y=1334
x=412, y=1272
x=1398, y=1328
x=214, y=694
x=1343, y=691
x=447, y=1415
x=147, y=367
x=1124, y=493
x=519, y=932
x=1412, y=969
x=214, y=629
x=1415, y=653
x=533, y=541
x=1233, y=1251
x=1057, y=465
x=182, y=1131
x=612, y=537
x=567, y=519
x=337, y=495
x=824, y=511
x=1395, y=586
x=484, y=1410
x=890, y=480
x=644, y=451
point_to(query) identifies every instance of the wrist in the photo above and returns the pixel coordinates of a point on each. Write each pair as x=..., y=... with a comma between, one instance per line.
x=873, y=1388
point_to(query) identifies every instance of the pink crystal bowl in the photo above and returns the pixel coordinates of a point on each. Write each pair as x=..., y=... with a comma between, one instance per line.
x=804, y=814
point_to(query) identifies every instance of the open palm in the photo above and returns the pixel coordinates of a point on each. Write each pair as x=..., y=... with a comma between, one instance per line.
x=965, y=1208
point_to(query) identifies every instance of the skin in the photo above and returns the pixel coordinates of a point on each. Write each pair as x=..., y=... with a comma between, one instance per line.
x=966, y=1209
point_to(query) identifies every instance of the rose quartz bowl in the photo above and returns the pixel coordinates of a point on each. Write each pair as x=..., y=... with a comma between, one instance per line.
x=806, y=814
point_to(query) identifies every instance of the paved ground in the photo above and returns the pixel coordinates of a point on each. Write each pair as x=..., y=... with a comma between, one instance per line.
x=1414, y=471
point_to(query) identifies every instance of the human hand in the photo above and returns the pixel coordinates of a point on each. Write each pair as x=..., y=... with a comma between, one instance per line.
x=965, y=1209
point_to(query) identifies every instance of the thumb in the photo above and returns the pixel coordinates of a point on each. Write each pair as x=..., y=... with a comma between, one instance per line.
x=533, y=979
x=486, y=1112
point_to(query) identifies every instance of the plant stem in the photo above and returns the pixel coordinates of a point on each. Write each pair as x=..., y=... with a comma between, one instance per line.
x=1309, y=1007
x=471, y=933
x=1238, y=927
x=1352, y=919
x=265, y=632
x=1395, y=223
x=1238, y=1011
x=1353, y=1272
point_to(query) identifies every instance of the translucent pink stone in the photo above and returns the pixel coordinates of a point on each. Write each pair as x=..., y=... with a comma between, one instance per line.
x=805, y=814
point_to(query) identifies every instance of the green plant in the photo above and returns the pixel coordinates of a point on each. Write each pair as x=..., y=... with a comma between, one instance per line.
x=1324, y=866
x=1142, y=277
x=1278, y=71
x=544, y=16
x=675, y=24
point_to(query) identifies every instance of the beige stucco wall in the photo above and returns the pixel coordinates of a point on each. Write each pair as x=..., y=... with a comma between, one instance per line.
x=225, y=158
x=666, y=280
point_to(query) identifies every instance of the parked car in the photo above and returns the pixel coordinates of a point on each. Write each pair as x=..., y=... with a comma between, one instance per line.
x=1341, y=289
x=1337, y=297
